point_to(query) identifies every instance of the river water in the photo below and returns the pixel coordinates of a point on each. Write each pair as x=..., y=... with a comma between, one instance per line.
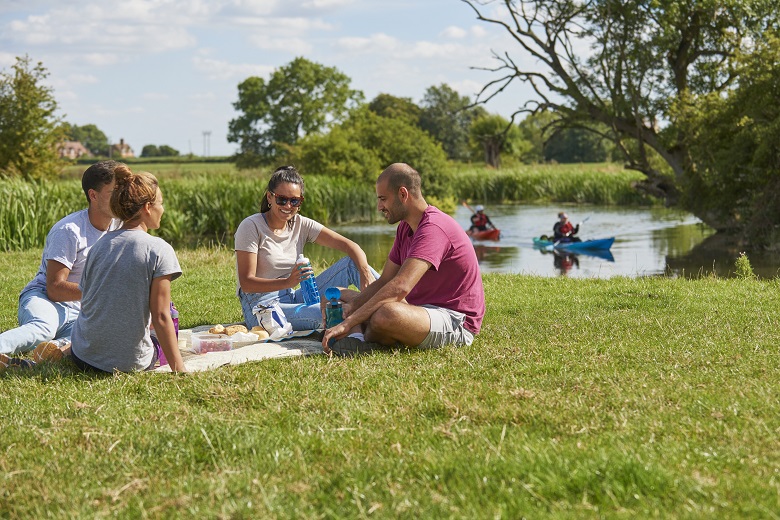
x=648, y=242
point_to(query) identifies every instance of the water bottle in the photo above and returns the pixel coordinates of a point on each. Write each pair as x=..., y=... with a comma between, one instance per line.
x=333, y=309
x=308, y=285
x=175, y=318
x=156, y=342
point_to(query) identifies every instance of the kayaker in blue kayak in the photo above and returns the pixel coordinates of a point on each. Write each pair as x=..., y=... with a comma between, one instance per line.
x=564, y=231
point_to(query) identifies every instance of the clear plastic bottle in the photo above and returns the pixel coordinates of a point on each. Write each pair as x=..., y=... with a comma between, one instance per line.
x=308, y=285
x=333, y=309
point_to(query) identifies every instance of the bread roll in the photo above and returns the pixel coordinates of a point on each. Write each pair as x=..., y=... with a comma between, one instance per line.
x=217, y=329
x=232, y=329
x=261, y=333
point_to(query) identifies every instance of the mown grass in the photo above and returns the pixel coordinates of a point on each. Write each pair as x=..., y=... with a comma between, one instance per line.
x=617, y=398
x=206, y=202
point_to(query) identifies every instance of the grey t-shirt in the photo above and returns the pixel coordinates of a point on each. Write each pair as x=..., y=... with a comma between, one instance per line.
x=276, y=254
x=112, y=330
x=69, y=242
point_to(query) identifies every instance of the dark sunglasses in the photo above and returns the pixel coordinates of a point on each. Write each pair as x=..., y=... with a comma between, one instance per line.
x=282, y=201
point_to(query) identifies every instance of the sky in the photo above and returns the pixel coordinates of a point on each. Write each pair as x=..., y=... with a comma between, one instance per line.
x=167, y=71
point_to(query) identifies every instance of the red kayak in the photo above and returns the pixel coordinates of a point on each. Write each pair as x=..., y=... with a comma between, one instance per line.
x=488, y=234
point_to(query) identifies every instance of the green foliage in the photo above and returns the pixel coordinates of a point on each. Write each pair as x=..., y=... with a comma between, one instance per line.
x=743, y=268
x=575, y=145
x=632, y=67
x=205, y=203
x=534, y=129
x=735, y=143
x=660, y=402
x=151, y=150
x=90, y=136
x=596, y=184
x=447, y=117
x=168, y=151
x=29, y=127
x=361, y=147
x=300, y=98
x=393, y=107
x=491, y=135
x=32, y=208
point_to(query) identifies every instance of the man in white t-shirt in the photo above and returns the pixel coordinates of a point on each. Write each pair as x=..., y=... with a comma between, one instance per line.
x=50, y=303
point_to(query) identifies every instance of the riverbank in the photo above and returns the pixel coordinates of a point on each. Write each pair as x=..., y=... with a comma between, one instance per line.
x=206, y=202
x=620, y=397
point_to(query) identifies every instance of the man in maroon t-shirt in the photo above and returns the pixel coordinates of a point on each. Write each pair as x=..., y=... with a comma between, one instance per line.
x=430, y=293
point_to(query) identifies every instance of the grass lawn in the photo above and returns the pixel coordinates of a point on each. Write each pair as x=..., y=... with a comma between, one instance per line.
x=614, y=398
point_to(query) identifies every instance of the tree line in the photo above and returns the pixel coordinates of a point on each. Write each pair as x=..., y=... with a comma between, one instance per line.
x=302, y=103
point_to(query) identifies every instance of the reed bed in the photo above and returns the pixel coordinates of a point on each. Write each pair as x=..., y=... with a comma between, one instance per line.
x=206, y=203
x=605, y=184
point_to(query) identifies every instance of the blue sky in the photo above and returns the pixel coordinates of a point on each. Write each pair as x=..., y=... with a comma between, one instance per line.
x=164, y=71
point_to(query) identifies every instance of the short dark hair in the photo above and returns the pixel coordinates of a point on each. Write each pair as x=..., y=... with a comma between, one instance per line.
x=402, y=175
x=98, y=175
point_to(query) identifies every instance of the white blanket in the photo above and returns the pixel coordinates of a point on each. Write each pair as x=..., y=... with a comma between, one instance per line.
x=298, y=344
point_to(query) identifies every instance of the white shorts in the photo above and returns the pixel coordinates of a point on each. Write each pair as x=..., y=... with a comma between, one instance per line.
x=446, y=328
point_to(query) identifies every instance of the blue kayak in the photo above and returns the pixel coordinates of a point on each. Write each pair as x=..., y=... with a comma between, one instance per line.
x=600, y=243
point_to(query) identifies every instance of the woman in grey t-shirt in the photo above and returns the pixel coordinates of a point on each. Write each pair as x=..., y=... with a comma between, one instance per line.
x=267, y=248
x=126, y=285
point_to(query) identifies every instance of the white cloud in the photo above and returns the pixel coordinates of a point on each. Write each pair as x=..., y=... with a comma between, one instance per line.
x=377, y=42
x=203, y=96
x=478, y=31
x=82, y=79
x=454, y=32
x=325, y=4
x=296, y=46
x=155, y=96
x=222, y=70
x=7, y=59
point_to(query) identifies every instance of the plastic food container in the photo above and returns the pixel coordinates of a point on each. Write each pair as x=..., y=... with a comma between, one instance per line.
x=204, y=342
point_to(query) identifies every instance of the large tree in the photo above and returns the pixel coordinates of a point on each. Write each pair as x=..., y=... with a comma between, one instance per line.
x=493, y=135
x=447, y=116
x=393, y=107
x=363, y=145
x=29, y=127
x=299, y=98
x=635, y=66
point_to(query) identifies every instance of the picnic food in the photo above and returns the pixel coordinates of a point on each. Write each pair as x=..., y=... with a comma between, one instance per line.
x=260, y=332
x=232, y=329
x=204, y=343
x=229, y=330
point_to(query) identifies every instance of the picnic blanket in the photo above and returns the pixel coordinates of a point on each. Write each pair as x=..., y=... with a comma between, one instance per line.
x=299, y=343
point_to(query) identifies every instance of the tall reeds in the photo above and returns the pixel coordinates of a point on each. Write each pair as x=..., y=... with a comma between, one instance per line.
x=30, y=209
x=593, y=184
x=206, y=208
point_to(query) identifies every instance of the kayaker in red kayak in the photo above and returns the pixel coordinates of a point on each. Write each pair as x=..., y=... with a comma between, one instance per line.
x=564, y=231
x=479, y=220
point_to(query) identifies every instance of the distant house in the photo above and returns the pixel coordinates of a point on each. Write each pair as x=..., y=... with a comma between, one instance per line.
x=121, y=150
x=72, y=150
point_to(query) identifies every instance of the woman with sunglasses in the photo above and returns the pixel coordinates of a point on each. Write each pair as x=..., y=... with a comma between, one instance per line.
x=267, y=248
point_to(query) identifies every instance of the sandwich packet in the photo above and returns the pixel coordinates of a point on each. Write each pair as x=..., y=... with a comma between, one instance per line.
x=272, y=319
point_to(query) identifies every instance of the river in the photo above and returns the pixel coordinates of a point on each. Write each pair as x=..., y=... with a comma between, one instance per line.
x=648, y=242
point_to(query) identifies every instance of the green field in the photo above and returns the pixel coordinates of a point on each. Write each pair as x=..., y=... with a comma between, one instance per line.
x=617, y=398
